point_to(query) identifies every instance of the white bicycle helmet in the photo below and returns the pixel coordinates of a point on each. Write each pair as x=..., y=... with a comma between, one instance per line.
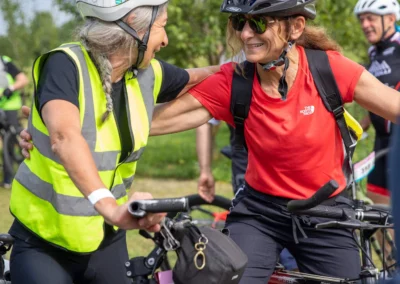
x=379, y=7
x=112, y=10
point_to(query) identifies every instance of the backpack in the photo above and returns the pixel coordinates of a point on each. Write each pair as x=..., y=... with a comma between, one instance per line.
x=350, y=129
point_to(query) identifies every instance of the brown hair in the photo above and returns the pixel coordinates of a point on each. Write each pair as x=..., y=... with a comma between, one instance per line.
x=313, y=37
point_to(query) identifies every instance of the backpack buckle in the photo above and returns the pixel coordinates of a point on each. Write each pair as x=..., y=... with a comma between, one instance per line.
x=339, y=111
x=238, y=120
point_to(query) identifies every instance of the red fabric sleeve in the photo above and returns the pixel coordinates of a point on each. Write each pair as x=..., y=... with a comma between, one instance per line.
x=214, y=93
x=346, y=72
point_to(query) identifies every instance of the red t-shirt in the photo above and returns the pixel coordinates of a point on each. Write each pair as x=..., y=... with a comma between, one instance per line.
x=294, y=146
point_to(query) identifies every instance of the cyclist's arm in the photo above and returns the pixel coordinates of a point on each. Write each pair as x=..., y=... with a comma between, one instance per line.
x=20, y=82
x=376, y=97
x=63, y=123
x=181, y=114
x=204, y=143
x=204, y=147
x=196, y=75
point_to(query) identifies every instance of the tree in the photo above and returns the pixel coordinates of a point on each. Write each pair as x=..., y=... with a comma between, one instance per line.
x=44, y=34
x=338, y=18
x=16, y=30
x=196, y=32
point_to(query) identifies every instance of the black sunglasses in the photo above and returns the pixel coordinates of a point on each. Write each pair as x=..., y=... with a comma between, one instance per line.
x=258, y=24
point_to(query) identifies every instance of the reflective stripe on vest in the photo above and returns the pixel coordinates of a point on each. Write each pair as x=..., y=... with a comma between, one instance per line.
x=52, y=206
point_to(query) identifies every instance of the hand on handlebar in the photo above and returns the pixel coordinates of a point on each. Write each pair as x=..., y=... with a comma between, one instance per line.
x=26, y=138
x=206, y=186
x=119, y=215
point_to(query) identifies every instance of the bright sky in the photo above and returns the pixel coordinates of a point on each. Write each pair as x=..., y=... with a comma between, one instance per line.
x=30, y=6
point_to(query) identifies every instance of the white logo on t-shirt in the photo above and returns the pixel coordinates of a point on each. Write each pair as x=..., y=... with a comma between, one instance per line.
x=380, y=69
x=308, y=110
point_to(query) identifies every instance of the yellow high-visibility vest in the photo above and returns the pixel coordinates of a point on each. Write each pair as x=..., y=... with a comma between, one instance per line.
x=44, y=198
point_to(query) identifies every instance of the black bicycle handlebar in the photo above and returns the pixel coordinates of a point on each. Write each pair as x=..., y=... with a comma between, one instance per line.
x=140, y=208
x=321, y=195
x=377, y=217
x=6, y=238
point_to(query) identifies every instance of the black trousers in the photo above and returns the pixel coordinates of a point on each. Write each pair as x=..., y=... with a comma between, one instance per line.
x=35, y=262
x=261, y=225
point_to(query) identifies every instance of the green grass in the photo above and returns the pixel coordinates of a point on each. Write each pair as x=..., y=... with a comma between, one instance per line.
x=174, y=156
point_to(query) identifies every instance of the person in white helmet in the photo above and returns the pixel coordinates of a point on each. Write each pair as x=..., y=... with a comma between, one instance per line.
x=378, y=22
x=90, y=121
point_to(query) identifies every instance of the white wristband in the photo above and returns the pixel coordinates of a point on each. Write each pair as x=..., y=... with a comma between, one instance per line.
x=99, y=194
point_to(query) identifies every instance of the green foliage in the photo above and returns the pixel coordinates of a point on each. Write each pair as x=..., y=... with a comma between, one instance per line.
x=338, y=18
x=195, y=30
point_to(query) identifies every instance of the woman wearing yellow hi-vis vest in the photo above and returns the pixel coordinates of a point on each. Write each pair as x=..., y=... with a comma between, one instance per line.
x=89, y=123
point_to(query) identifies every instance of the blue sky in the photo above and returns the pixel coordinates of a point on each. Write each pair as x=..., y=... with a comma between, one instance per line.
x=30, y=6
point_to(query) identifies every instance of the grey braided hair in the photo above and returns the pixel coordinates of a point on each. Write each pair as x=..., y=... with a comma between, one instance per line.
x=105, y=38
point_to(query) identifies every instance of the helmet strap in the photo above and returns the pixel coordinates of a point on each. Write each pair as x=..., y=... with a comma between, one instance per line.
x=142, y=43
x=384, y=32
x=282, y=60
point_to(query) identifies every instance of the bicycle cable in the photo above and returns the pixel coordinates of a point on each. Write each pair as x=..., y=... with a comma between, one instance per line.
x=362, y=249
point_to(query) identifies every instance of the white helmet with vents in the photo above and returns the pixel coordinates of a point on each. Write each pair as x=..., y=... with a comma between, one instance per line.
x=112, y=10
x=379, y=7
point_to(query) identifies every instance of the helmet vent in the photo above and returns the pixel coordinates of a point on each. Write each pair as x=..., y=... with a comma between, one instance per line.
x=370, y=4
x=383, y=7
x=262, y=6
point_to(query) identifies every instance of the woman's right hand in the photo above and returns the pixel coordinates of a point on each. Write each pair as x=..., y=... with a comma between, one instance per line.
x=119, y=215
x=26, y=138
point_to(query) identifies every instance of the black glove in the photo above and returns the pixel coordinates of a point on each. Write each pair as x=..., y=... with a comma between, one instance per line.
x=7, y=93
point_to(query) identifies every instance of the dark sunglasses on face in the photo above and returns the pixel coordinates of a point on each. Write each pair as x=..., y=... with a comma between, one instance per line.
x=258, y=24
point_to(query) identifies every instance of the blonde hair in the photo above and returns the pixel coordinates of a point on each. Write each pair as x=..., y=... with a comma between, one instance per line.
x=102, y=39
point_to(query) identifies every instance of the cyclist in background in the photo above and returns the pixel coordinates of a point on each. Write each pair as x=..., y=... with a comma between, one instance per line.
x=378, y=22
x=12, y=80
x=294, y=143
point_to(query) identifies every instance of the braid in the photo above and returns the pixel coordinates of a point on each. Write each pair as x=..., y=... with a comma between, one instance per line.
x=105, y=70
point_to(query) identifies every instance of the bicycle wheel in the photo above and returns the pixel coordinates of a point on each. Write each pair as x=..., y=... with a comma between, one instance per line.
x=12, y=152
x=203, y=214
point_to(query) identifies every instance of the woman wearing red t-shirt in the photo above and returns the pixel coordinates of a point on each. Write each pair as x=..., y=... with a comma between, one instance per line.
x=294, y=144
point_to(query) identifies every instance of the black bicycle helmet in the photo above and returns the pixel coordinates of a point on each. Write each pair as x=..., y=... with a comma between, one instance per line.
x=275, y=8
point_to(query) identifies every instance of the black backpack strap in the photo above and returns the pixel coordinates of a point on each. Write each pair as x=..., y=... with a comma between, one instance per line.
x=326, y=84
x=327, y=88
x=242, y=90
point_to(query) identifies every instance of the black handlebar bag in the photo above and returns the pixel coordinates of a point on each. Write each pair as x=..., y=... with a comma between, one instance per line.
x=208, y=256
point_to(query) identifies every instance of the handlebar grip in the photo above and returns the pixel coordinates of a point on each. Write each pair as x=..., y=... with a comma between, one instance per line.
x=326, y=212
x=321, y=195
x=139, y=208
x=376, y=217
x=6, y=238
